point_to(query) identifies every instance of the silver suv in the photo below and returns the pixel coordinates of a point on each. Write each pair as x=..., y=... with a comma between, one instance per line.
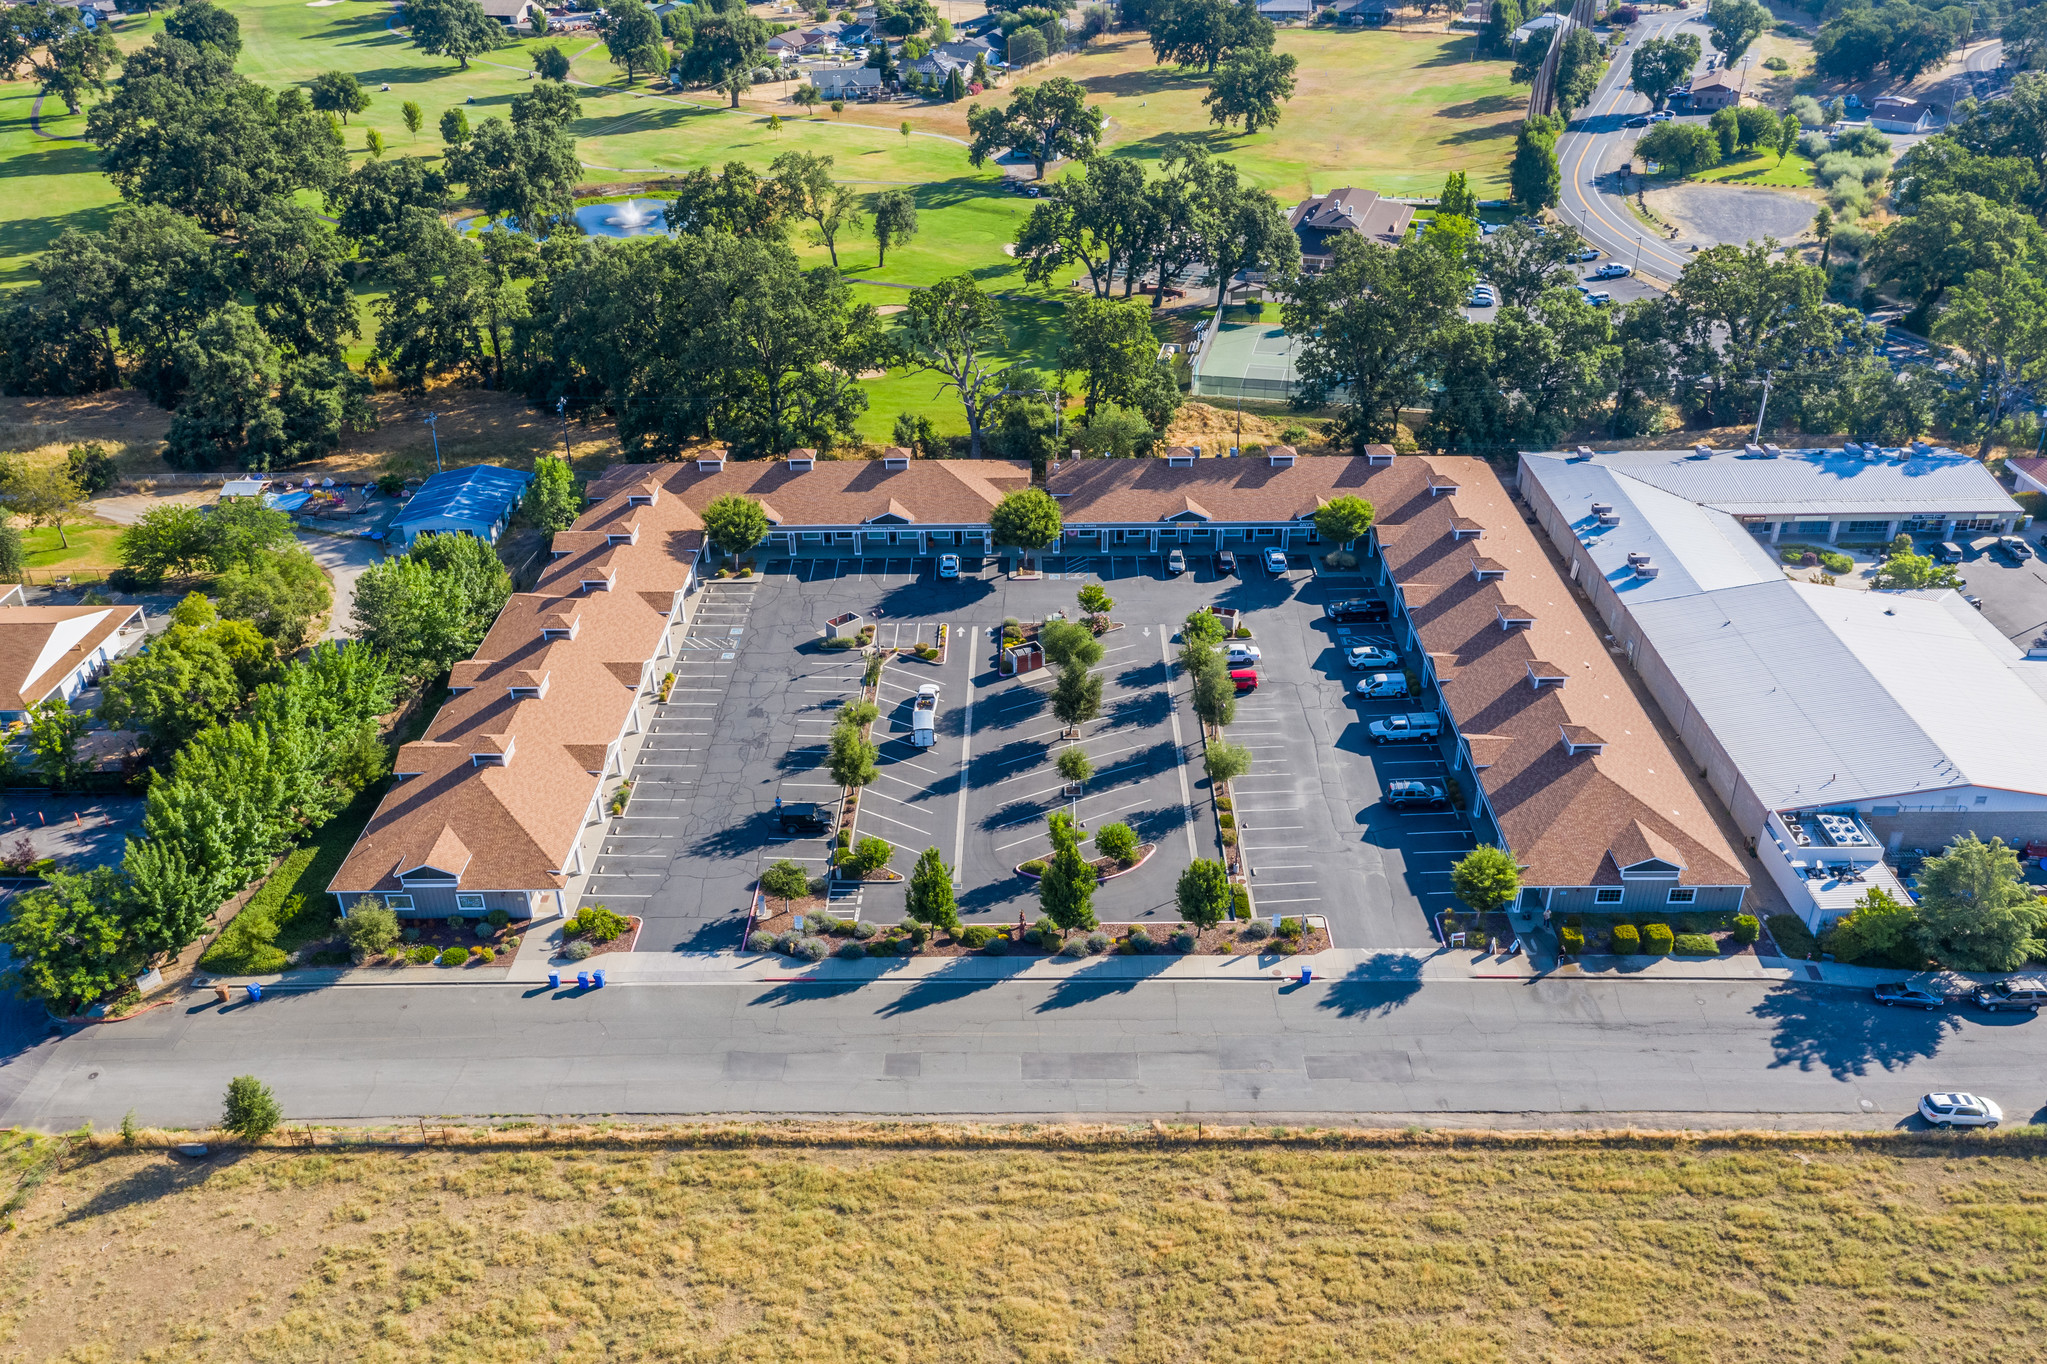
x=2017, y=993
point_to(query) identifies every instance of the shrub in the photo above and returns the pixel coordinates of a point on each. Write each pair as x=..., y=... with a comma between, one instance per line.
x=917, y=933
x=1571, y=942
x=851, y=951
x=1225, y=803
x=1626, y=941
x=485, y=956
x=1657, y=939
x=1243, y=904
x=1793, y=938
x=1836, y=562
x=421, y=955
x=484, y=929
x=1243, y=632
x=841, y=642
x=1229, y=837
x=1075, y=948
x=370, y=929
x=1097, y=943
x=1116, y=840
x=596, y=923
x=1141, y=941
x=1256, y=931
x=579, y=950
x=997, y=945
x=454, y=956
x=1291, y=928
x=785, y=941
x=1184, y=942
x=761, y=941
x=975, y=936
x=497, y=918
x=250, y=1110
x=410, y=933
x=1033, y=867
x=1695, y=945
x=864, y=930
x=1776, y=64
x=1746, y=929
x=1226, y=820
x=811, y=949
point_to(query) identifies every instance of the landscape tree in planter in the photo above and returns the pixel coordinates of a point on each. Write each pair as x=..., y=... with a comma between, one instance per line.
x=1027, y=519
x=1076, y=696
x=1486, y=878
x=1097, y=603
x=852, y=757
x=1341, y=520
x=1068, y=645
x=1215, y=697
x=735, y=524
x=1075, y=766
x=1201, y=627
x=1227, y=762
x=870, y=854
x=1204, y=894
x=1067, y=889
x=931, y=899
x=785, y=881
x=1117, y=840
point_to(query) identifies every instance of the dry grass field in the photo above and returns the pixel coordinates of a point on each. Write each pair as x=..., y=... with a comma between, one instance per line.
x=1138, y=1245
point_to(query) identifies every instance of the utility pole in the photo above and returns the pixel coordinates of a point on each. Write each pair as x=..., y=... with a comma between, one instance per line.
x=1762, y=407
x=561, y=406
x=432, y=420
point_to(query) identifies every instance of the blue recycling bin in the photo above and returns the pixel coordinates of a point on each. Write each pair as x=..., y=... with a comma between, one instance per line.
x=582, y=980
x=1306, y=975
x=554, y=980
x=597, y=979
x=255, y=993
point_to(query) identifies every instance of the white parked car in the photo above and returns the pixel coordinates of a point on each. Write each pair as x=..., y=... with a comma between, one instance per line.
x=1275, y=562
x=1960, y=1110
x=1382, y=685
x=948, y=565
x=1241, y=655
x=1371, y=656
x=1176, y=562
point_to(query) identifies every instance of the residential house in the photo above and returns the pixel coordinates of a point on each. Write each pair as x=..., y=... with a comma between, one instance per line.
x=1280, y=11
x=1541, y=23
x=478, y=500
x=1365, y=13
x=1714, y=90
x=2029, y=473
x=48, y=652
x=845, y=82
x=515, y=14
x=1320, y=219
x=1897, y=114
x=488, y=809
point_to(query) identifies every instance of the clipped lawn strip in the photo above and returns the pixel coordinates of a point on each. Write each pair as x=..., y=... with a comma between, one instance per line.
x=833, y=1241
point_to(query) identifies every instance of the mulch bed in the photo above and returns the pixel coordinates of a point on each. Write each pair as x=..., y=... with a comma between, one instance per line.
x=434, y=933
x=1224, y=939
x=622, y=943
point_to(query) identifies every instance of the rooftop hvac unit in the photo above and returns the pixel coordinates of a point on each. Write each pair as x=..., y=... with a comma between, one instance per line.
x=1584, y=452
x=1645, y=569
x=1601, y=508
x=1638, y=559
x=1701, y=452
x=1852, y=449
x=1609, y=517
x=1751, y=449
x=1772, y=451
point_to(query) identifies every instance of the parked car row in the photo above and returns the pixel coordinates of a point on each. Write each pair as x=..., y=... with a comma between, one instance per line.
x=1226, y=562
x=2016, y=992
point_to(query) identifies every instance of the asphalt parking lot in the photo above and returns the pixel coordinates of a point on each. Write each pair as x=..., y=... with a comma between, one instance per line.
x=2014, y=595
x=756, y=695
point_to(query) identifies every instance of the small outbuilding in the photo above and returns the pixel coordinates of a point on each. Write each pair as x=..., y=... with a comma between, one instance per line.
x=478, y=500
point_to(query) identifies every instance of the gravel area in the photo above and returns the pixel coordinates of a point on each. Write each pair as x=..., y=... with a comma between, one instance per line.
x=1714, y=214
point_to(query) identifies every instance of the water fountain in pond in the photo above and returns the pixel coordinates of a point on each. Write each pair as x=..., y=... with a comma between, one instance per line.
x=629, y=219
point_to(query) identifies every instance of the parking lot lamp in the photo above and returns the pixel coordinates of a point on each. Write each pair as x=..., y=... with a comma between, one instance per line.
x=432, y=420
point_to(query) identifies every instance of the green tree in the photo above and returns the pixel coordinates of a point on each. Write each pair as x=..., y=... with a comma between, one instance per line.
x=166, y=904
x=1117, y=840
x=1909, y=571
x=1341, y=520
x=723, y=46
x=1997, y=321
x=282, y=596
x=1685, y=148
x=1203, y=625
x=453, y=28
x=1734, y=26
x=632, y=35
x=53, y=733
x=1497, y=37
x=1097, y=219
x=250, y=1111
x=1204, y=894
x=1070, y=643
x=1457, y=199
x=1215, y=697
x=526, y=172
x=735, y=524
x=42, y=495
x=295, y=273
x=241, y=531
x=370, y=204
x=1788, y=129
x=1580, y=65
x=371, y=927
x=66, y=58
x=1027, y=519
x=454, y=128
x=551, y=63
x=414, y=117
x=1659, y=66
x=1879, y=931
x=1111, y=345
x=1534, y=176
x=1523, y=260
x=1227, y=761
x=13, y=558
x=168, y=539
x=429, y=608
x=338, y=92
x=1076, y=696
x=1485, y=878
x=1046, y=122
x=787, y=881
x=229, y=416
x=930, y=900
x=851, y=757
x=804, y=182
x=954, y=328
x=91, y=468
x=1240, y=226
x=895, y=221
x=1370, y=324
x=1067, y=888
x=68, y=943
x=1976, y=913
x=1096, y=601
x=553, y=501
x=1205, y=33
x=1251, y=87
x=191, y=677
x=1074, y=764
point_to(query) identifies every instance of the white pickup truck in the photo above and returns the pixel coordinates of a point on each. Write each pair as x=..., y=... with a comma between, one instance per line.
x=924, y=716
x=1403, y=728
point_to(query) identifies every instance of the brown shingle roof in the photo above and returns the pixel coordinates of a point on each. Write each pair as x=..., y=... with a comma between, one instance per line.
x=1139, y=491
x=847, y=492
x=40, y=646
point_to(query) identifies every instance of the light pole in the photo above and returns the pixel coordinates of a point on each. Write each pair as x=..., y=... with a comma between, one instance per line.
x=432, y=420
x=561, y=406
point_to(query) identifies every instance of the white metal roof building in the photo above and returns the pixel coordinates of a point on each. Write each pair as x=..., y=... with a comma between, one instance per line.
x=1905, y=710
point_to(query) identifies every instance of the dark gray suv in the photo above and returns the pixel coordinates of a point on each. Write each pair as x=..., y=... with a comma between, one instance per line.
x=2017, y=993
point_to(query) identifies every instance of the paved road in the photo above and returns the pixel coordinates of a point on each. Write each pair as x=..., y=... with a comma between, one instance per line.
x=1557, y=1048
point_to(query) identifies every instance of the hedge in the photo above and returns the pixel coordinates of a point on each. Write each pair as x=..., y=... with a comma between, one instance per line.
x=1696, y=945
x=1626, y=941
x=1657, y=939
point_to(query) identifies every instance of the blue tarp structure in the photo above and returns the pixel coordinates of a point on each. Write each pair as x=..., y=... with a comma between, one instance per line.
x=478, y=501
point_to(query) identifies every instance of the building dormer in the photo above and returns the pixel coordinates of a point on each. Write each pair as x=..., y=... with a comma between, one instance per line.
x=711, y=464
x=526, y=685
x=1542, y=674
x=643, y=495
x=1578, y=739
x=441, y=865
x=467, y=674
x=1378, y=456
x=1464, y=528
x=1515, y=617
x=628, y=536
x=560, y=625
x=492, y=750
x=1487, y=570
x=895, y=459
x=1179, y=457
x=802, y=461
x=598, y=579
x=1442, y=486
x=1280, y=456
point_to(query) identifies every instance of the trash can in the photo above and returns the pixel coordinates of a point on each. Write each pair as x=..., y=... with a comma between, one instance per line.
x=1306, y=975
x=255, y=992
x=597, y=979
x=554, y=980
x=582, y=980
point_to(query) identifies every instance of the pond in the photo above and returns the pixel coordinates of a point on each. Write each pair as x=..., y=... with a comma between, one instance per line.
x=630, y=218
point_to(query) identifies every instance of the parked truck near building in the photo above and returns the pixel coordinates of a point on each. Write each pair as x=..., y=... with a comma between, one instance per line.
x=924, y=716
x=1403, y=728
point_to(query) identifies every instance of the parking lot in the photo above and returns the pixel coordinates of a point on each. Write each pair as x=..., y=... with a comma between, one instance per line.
x=756, y=695
x=2014, y=595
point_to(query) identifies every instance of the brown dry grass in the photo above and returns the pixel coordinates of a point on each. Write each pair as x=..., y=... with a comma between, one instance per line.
x=960, y=1244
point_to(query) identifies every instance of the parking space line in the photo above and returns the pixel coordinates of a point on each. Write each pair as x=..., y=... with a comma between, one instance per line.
x=897, y=822
x=1305, y=900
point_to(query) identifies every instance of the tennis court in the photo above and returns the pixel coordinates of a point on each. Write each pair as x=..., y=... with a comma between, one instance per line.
x=1247, y=360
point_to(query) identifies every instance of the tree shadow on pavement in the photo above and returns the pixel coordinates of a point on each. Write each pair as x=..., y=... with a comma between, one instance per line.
x=1374, y=988
x=1844, y=1034
x=942, y=988
x=1085, y=987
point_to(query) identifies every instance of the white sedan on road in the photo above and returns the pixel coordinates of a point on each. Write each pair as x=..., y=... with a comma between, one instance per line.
x=1960, y=1110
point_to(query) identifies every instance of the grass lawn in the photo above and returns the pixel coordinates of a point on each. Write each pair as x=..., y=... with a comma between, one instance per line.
x=1763, y=168
x=92, y=546
x=52, y=185
x=1036, y=1244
